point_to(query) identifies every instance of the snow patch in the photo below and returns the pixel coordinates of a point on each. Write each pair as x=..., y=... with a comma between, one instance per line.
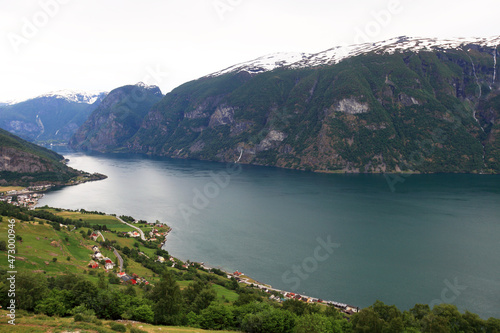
x=340, y=53
x=74, y=96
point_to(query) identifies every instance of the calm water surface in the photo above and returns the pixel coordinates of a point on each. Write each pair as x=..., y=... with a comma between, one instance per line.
x=436, y=238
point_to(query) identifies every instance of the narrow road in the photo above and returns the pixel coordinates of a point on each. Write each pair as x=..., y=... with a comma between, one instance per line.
x=120, y=259
x=130, y=225
x=103, y=239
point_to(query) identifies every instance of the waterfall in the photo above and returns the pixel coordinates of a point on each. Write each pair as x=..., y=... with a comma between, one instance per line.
x=494, y=65
x=239, y=158
x=480, y=90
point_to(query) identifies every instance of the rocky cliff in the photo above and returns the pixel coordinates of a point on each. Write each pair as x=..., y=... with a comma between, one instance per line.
x=23, y=163
x=117, y=118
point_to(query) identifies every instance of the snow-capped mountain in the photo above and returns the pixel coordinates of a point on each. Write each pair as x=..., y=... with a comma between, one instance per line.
x=51, y=117
x=339, y=53
x=76, y=96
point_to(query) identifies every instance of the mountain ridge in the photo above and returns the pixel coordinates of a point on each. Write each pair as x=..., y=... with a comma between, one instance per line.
x=117, y=118
x=338, y=53
x=51, y=117
x=371, y=112
x=401, y=105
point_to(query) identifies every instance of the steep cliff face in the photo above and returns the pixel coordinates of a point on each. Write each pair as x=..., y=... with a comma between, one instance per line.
x=22, y=162
x=14, y=160
x=431, y=110
x=116, y=119
x=405, y=105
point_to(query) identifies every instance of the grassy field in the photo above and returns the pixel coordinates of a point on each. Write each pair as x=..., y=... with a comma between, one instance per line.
x=43, y=249
x=225, y=295
x=41, y=243
x=28, y=323
x=10, y=188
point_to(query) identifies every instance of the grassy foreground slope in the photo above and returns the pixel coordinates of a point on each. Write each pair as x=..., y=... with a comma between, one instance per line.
x=56, y=291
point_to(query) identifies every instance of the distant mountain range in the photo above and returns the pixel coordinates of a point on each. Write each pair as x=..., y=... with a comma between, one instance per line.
x=402, y=105
x=49, y=118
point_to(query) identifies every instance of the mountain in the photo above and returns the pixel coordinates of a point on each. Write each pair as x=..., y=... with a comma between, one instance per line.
x=402, y=105
x=117, y=118
x=24, y=163
x=52, y=117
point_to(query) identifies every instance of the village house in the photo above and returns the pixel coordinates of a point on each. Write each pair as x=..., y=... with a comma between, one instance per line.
x=108, y=264
x=93, y=264
x=97, y=255
x=133, y=234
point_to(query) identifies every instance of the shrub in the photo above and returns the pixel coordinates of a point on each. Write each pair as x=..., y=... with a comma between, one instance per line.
x=117, y=327
x=79, y=317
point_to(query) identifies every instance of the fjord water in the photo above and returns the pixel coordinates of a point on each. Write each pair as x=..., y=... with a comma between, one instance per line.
x=435, y=238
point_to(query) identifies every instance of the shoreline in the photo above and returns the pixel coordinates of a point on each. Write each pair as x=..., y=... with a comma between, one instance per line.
x=30, y=195
x=286, y=295
x=242, y=278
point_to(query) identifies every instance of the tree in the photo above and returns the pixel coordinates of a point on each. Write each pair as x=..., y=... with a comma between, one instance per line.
x=203, y=299
x=30, y=289
x=295, y=306
x=493, y=325
x=3, y=246
x=198, y=296
x=102, y=283
x=313, y=323
x=367, y=321
x=53, y=304
x=85, y=293
x=130, y=291
x=451, y=314
x=386, y=312
x=333, y=312
x=144, y=314
x=113, y=279
x=216, y=317
x=472, y=323
x=167, y=299
x=270, y=320
x=435, y=324
x=419, y=311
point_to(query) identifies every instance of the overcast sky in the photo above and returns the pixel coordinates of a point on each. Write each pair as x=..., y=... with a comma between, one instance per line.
x=99, y=45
